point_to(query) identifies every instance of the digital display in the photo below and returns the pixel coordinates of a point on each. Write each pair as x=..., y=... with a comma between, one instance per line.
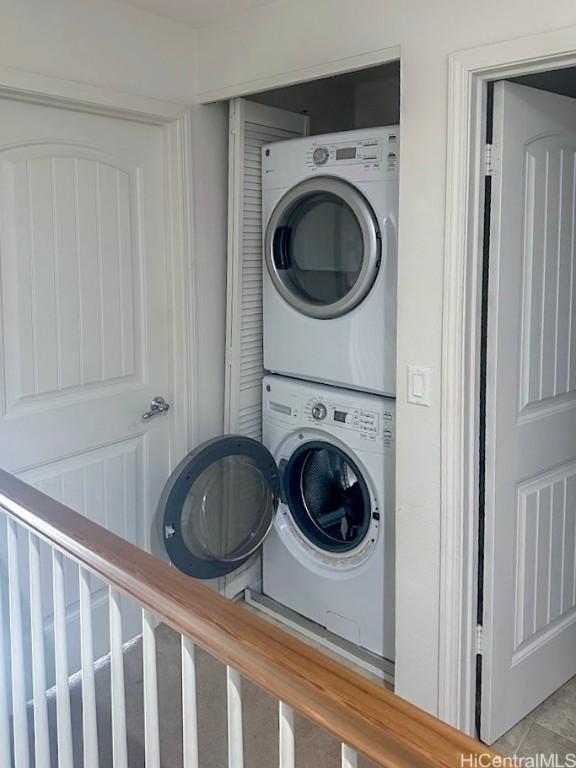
x=340, y=416
x=346, y=153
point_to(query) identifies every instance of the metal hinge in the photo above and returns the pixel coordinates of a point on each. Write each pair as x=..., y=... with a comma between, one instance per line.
x=479, y=639
x=491, y=160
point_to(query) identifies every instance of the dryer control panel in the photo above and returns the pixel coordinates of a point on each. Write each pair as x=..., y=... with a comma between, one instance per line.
x=367, y=152
x=370, y=154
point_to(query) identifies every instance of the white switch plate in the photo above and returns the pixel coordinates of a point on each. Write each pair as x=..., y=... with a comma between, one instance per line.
x=419, y=385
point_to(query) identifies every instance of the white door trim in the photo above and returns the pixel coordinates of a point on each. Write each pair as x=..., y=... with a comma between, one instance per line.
x=57, y=92
x=469, y=72
x=174, y=119
x=293, y=76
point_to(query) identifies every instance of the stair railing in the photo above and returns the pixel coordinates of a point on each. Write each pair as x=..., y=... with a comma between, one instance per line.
x=366, y=718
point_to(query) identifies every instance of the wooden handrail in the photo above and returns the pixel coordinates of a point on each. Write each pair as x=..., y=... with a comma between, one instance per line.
x=377, y=723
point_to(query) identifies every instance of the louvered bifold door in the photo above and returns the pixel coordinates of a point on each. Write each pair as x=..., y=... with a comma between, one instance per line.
x=251, y=126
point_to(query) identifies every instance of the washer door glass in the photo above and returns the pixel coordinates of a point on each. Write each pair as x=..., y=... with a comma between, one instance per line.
x=323, y=247
x=327, y=496
x=218, y=506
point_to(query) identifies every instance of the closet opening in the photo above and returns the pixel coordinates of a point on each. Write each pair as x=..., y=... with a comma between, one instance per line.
x=326, y=251
x=297, y=499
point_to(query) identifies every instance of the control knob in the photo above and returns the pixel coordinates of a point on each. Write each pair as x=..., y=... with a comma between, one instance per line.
x=321, y=155
x=319, y=411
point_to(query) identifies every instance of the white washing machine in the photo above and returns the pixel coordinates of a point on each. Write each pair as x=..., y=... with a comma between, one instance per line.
x=317, y=495
x=330, y=217
x=330, y=553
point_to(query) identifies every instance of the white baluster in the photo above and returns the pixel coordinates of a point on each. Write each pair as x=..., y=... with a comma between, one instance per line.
x=286, y=737
x=19, y=718
x=19, y=721
x=119, y=741
x=189, y=706
x=89, y=718
x=5, y=745
x=63, y=718
x=349, y=757
x=41, y=737
x=151, y=733
x=235, y=736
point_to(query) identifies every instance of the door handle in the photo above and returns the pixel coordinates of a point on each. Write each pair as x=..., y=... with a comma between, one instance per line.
x=157, y=406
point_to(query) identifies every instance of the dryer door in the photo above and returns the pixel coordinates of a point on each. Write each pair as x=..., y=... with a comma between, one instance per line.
x=218, y=506
x=323, y=247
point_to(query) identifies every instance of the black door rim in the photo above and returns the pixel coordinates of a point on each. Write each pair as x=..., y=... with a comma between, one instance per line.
x=177, y=488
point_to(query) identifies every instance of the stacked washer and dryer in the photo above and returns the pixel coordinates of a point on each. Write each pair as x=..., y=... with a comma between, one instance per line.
x=318, y=493
x=330, y=212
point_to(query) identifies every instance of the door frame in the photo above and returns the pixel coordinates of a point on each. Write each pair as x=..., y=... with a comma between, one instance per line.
x=469, y=72
x=175, y=121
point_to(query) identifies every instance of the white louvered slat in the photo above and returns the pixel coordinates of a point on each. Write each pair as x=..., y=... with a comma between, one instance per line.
x=251, y=126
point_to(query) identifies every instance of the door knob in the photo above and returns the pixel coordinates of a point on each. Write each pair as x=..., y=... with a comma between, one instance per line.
x=157, y=406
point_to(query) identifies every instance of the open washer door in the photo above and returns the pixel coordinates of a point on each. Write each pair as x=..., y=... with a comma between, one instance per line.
x=323, y=247
x=218, y=506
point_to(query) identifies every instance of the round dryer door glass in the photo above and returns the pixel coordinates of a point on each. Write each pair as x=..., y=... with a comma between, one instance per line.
x=323, y=247
x=320, y=245
x=218, y=506
x=328, y=497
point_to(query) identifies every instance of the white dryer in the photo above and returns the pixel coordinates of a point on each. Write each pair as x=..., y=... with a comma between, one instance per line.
x=330, y=217
x=317, y=496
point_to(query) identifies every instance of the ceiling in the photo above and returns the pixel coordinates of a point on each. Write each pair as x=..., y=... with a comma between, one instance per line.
x=197, y=13
x=562, y=81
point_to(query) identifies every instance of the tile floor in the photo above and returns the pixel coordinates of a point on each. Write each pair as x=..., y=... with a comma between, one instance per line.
x=550, y=728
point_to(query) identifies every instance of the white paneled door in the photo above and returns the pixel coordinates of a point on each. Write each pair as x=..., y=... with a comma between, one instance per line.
x=530, y=546
x=85, y=342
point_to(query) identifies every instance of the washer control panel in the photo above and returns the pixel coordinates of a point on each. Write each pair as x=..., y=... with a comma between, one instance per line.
x=369, y=423
x=359, y=420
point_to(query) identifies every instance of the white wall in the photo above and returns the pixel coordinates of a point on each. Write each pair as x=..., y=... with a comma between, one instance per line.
x=210, y=180
x=100, y=42
x=284, y=38
x=108, y=44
